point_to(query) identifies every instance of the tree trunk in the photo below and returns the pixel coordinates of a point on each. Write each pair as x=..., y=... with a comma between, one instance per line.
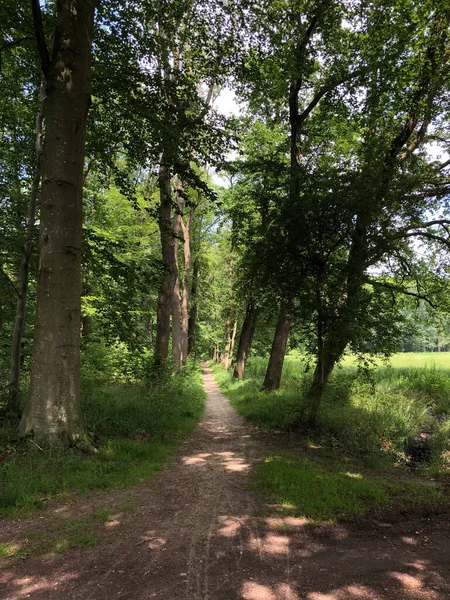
x=233, y=340
x=19, y=323
x=275, y=367
x=245, y=341
x=53, y=409
x=193, y=314
x=186, y=286
x=324, y=368
x=227, y=350
x=176, y=299
x=164, y=306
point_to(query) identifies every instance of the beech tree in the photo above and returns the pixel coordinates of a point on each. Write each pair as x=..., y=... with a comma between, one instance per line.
x=53, y=412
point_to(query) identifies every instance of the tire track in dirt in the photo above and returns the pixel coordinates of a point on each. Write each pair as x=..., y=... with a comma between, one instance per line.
x=198, y=532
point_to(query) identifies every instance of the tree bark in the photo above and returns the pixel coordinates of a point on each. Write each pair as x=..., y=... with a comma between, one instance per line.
x=233, y=340
x=176, y=299
x=193, y=313
x=227, y=350
x=164, y=306
x=186, y=286
x=275, y=367
x=245, y=341
x=324, y=367
x=53, y=410
x=22, y=287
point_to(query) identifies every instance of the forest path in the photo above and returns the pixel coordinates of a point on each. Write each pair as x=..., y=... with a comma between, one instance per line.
x=198, y=532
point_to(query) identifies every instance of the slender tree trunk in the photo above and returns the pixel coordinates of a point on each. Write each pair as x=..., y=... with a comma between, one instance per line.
x=193, y=313
x=227, y=350
x=245, y=341
x=275, y=367
x=176, y=299
x=19, y=323
x=53, y=409
x=233, y=340
x=164, y=306
x=86, y=320
x=186, y=286
x=324, y=368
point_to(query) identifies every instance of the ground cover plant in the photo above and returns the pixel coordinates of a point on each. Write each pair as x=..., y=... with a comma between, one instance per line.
x=134, y=426
x=304, y=489
x=389, y=412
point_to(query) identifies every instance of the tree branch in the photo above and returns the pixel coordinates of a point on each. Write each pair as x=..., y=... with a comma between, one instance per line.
x=400, y=290
x=40, y=36
x=14, y=43
x=328, y=87
x=10, y=281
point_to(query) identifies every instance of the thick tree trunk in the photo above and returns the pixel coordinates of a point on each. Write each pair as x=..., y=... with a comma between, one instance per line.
x=193, y=313
x=164, y=307
x=186, y=287
x=275, y=367
x=245, y=341
x=19, y=323
x=53, y=409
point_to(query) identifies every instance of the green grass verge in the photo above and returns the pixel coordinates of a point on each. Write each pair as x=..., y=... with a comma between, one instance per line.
x=303, y=489
x=380, y=415
x=138, y=429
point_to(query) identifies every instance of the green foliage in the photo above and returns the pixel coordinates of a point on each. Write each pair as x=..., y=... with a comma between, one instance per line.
x=138, y=429
x=305, y=489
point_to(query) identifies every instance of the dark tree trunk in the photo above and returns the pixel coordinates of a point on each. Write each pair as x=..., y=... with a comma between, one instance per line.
x=164, y=306
x=193, y=314
x=186, y=286
x=324, y=368
x=19, y=323
x=275, y=367
x=245, y=341
x=53, y=409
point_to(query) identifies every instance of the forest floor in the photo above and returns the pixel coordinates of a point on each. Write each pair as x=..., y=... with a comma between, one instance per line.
x=197, y=531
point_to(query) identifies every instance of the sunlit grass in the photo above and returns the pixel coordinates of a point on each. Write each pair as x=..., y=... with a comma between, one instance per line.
x=376, y=414
x=316, y=493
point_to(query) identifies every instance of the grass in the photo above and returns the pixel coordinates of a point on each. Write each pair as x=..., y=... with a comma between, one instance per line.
x=377, y=415
x=138, y=429
x=61, y=533
x=304, y=489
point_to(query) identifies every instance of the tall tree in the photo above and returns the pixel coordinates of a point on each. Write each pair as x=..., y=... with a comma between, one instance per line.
x=53, y=411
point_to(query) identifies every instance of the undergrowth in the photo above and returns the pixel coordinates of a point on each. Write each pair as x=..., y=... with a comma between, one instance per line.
x=136, y=428
x=378, y=413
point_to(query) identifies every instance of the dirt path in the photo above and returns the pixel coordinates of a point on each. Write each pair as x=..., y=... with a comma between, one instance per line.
x=197, y=532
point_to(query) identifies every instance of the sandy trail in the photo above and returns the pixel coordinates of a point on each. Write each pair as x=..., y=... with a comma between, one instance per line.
x=198, y=532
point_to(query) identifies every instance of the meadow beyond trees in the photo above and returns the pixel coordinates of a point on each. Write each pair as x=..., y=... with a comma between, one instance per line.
x=299, y=243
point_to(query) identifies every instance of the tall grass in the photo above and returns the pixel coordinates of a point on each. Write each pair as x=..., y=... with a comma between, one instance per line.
x=382, y=412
